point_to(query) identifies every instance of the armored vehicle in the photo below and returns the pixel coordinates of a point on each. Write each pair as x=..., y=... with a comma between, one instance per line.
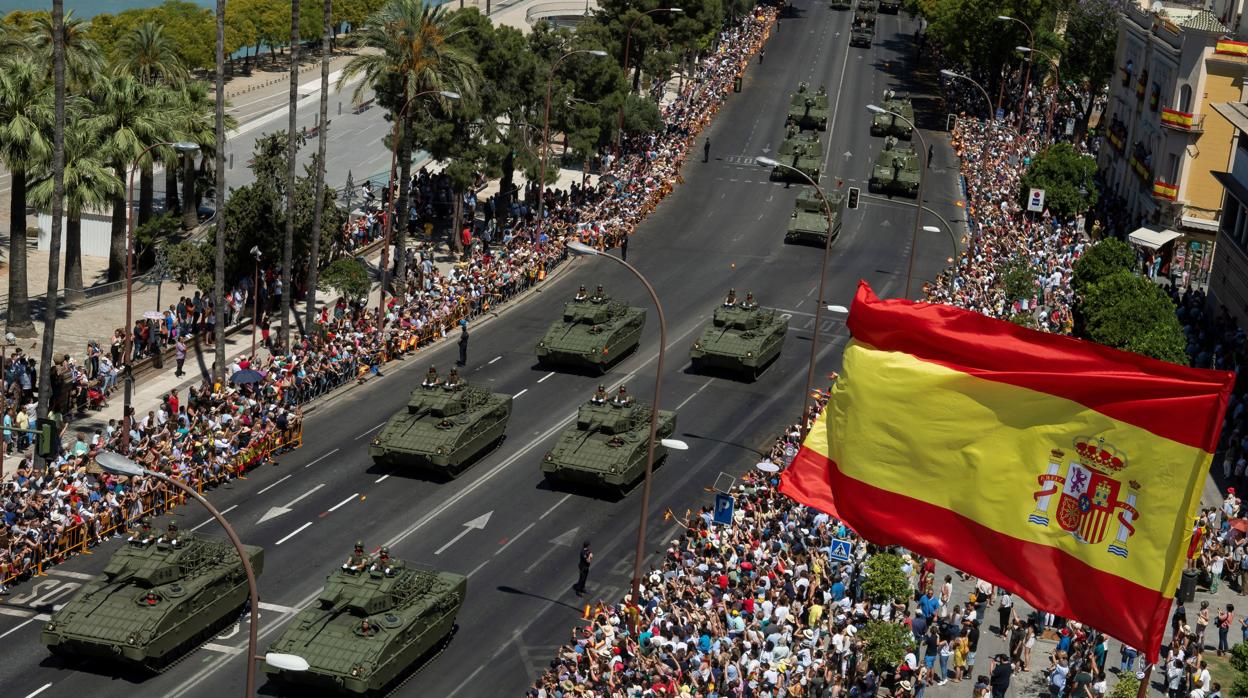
x=890, y=7
x=807, y=111
x=607, y=447
x=802, y=150
x=809, y=222
x=445, y=425
x=867, y=5
x=861, y=34
x=742, y=338
x=372, y=621
x=157, y=599
x=594, y=332
x=864, y=18
x=890, y=125
x=896, y=170
x=841, y=4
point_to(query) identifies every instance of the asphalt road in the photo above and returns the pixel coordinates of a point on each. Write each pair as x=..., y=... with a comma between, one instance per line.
x=722, y=228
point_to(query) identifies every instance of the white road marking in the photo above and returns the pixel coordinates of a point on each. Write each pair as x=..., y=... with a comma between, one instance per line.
x=383, y=477
x=513, y=540
x=223, y=649
x=17, y=627
x=476, y=524
x=370, y=431
x=72, y=575
x=39, y=690
x=318, y=460
x=478, y=567
x=277, y=608
x=695, y=394
x=546, y=513
x=10, y=611
x=304, y=495
x=266, y=489
x=214, y=520
x=293, y=533
x=496, y=358
x=345, y=501
x=522, y=392
x=548, y=375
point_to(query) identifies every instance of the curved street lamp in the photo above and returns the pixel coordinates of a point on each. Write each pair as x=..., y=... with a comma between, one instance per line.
x=918, y=213
x=959, y=76
x=1031, y=42
x=392, y=205
x=628, y=39
x=185, y=148
x=823, y=275
x=580, y=248
x=550, y=82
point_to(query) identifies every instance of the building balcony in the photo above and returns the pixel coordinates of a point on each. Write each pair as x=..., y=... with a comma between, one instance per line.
x=1141, y=168
x=1165, y=191
x=1181, y=121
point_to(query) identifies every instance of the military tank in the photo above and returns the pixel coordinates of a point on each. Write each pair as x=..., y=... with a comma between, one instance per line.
x=157, y=599
x=861, y=34
x=809, y=111
x=742, y=338
x=886, y=124
x=809, y=222
x=594, y=332
x=445, y=425
x=867, y=5
x=607, y=447
x=890, y=7
x=841, y=4
x=896, y=170
x=369, y=625
x=865, y=17
x=801, y=150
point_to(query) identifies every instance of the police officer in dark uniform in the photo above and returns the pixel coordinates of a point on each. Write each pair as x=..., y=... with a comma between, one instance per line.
x=582, y=565
x=463, y=342
x=706, y=150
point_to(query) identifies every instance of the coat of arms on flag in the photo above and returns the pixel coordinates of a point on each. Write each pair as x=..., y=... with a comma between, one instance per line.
x=1090, y=501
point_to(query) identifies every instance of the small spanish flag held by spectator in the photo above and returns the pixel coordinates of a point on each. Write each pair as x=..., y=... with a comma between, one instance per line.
x=1065, y=471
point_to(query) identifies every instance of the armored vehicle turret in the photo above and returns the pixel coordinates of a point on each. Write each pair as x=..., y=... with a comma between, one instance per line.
x=867, y=5
x=861, y=33
x=445, y=424
x=896, y=170
x=865, y=18
x=809, y=222
x=809, y=111
x=742, y=338
x=607, y=447
x=594, y=332
x=372, y=621
x=887, y=124
x=158, y=598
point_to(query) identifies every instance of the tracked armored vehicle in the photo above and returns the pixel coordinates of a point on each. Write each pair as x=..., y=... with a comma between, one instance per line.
x=155, y=601
x=809, y=111
x=802, y=150
x=594, y=332
x=369, y=626
x=867, y=5
x=888, y=124
x=861, y=34
x=742, y=338
x=890, y=7
x=809, y=222
x=445, y=425
x=607, y=447
x=896, y=170
x=841, y=4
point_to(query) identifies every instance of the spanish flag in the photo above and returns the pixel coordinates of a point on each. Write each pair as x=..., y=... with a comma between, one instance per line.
x=1066, y=471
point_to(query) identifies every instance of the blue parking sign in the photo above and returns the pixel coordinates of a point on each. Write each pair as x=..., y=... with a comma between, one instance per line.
x=841, y=550
x=723, y=509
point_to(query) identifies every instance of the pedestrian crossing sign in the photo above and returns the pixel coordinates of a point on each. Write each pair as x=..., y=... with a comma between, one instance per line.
x=841, y=550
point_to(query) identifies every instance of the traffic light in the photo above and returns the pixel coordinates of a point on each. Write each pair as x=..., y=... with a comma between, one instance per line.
x=45, y=440
x=853, y=198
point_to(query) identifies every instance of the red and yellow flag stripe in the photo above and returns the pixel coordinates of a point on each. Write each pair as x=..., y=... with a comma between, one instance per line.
x=1234, y=48
x=1172, y=117
x=1163, y=190
x=960, y=437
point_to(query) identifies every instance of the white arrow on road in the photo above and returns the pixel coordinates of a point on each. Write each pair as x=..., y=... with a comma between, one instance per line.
x=767, y=149
x=567, y=540
x=884, y=223
x=475, y=525
x=847, y=155
x=275, y=512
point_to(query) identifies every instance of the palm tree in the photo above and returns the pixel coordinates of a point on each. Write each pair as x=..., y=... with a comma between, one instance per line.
x=58, y=190
x=288, y=241
x=414, y=53
x=83, y=60
x=26, y=115
x=147, y=54
x=132, y=117
x=191, y=118
x=218, y=276
x=90, y=184
x=322, y=132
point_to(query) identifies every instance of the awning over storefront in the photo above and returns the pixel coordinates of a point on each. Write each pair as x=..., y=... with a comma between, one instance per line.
x=1152, y=237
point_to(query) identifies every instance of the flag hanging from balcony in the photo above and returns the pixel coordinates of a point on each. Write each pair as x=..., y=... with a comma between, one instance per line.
x=1064, y=470
x=1234, y=48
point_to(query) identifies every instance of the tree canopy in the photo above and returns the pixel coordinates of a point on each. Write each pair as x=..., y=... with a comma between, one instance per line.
x=1106, y=257
x=1067, y=178
x=1129, y=312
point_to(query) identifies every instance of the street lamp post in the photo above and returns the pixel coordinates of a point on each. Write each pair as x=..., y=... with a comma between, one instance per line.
x=391, y=205
x=10, y=339
x=823, y=275
x=185, y=148
x=1031, y=42
x=120, y=465
x=918, y=213
x=1057, y=70
x=541, y=176
x=952, y=75
x=628, y=39
x=582, y=249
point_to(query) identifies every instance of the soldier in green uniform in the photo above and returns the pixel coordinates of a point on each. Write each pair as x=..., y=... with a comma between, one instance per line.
x=171, y=535
x=599, y=295
x=141, y=534
x=431, y=378
x=622, y=398
x=452, y=380
x=384, y=564
x=357, y=560
x=731, y=300
x=600, y=395
x=749, y=303
x=581, y=293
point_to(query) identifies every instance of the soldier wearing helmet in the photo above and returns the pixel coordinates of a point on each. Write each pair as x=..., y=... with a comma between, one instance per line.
x=357, y=560
x=384, y=564
x=731, y=300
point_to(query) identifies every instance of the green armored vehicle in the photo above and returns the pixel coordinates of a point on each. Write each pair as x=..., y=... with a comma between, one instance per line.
x=607, y=447
x=742, y=338
x=841, y=4
x=374, y=619
x=807, y=111
x=896, y=170
x=864, y=18
x=867, y=5
x=809, y=222
x=445, y=425
x=861, y=33
x=890, y=125
x=890, y=7
x=594, y=332
x=158, y=598
x=802, y=150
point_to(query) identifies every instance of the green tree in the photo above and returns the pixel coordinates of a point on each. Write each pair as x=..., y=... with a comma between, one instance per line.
x=348, y=276
x=1088, y=62
x=1100, y=260
x=885, y=581
x=191, y=118
x=970, y=33
x=288, y=239
x=1018, y=279
x=48, y=387
x=322, y=121
x=218, y=254
x=886, y=643
x=1128, y=312
x=26, y=116
x=1127, y=686
x=83, y=60
x=1066, y=176
x=149, y=55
